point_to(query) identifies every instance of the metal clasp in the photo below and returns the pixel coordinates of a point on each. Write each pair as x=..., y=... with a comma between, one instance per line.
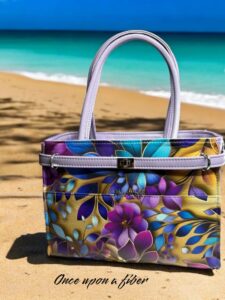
x=52, y=160
x=223, y=147
x=125, y=163
x=208, y=162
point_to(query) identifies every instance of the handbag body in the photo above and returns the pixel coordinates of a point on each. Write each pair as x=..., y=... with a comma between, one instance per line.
x=143, y=197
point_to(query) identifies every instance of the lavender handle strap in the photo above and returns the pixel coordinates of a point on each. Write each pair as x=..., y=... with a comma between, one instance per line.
x=86, y=118
x=102, y=49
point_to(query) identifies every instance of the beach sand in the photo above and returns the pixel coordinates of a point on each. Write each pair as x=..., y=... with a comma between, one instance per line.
x=32, y=110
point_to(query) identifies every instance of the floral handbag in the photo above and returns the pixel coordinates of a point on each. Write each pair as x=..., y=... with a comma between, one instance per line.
x=151, y=197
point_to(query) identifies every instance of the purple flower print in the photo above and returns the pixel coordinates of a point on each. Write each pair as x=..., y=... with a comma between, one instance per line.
x=50, y=175
x=139, y=249
x=168, y=190
x=125, y=222
x=56, y=148
x=90, y=148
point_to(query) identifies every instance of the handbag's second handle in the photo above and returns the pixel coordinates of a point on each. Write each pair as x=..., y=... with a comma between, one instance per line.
x=174, y=108
x=103, y=48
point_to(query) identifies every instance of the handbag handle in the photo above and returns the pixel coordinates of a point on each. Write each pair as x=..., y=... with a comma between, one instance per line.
x=174, y=108
x=103, y=48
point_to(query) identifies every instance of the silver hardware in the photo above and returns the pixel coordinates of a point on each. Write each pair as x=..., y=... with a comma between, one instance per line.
x=208, y=162
x=125, y=163
x=223, y=147
x=52, y=160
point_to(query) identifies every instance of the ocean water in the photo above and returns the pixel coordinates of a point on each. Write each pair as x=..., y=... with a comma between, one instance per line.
x=66, y=57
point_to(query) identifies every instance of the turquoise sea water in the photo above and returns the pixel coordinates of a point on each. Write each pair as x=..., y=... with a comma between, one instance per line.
x=66, y=56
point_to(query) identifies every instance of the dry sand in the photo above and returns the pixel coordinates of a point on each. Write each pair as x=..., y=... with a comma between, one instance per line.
x=31, y=110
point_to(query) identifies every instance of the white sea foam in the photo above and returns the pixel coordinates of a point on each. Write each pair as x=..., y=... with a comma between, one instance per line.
x=70, y=79
x=58, y=77
x=210, y=100
x=216, y=101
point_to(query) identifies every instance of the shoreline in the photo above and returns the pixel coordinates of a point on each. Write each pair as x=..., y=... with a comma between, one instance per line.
x=201, y=99
x=116, y=108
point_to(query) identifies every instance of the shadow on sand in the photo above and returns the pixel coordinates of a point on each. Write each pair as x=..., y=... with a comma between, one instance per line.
x=46, y=123
x=33, y=247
